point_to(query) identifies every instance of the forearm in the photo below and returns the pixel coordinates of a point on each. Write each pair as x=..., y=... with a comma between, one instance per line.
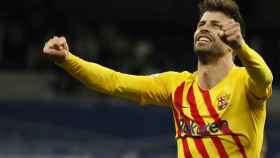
x=91, y=74
x=260, y=76
x=143, y=89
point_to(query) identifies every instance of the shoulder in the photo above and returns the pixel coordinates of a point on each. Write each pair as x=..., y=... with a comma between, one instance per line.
x=172, y=79
x=172, y=75
x=239, y=72
x=239, y=69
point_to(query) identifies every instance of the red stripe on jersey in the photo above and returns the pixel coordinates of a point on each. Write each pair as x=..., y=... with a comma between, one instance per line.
x=210, y=107
x=194, y=112
x=187, y=152
x=220, y=147
x=193, y=106
x=239, y=144
x=175, y=114
x=201, y=148
x=186, y=148
x=215, y=116
x=178, y=101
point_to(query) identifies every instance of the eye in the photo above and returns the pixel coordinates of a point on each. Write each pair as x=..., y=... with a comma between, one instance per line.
x=200, y=24
x=217, y=26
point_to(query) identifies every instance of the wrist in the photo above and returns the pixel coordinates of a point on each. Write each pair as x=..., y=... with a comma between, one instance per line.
x=242, y=48
x=61, y=60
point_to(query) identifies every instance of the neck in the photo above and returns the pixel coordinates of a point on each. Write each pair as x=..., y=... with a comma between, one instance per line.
x=212, y=71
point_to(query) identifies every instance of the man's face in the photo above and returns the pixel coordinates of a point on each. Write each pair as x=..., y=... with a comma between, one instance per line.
x=207, y=35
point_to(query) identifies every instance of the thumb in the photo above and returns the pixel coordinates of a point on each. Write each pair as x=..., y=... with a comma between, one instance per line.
x=55, y=52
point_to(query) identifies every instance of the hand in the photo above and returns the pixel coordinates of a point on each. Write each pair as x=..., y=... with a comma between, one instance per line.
x=56, y=49
x=231, y=34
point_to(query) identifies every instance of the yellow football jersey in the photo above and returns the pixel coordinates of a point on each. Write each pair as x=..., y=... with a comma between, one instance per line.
x=226, y=121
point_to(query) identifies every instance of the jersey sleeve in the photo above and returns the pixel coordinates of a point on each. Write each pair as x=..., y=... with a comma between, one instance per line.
x=258, y=77
x=154, y=89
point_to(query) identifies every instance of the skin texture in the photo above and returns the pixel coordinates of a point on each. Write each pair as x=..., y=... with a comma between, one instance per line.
x=221, y=37
x=56, y=49
x=216, y=40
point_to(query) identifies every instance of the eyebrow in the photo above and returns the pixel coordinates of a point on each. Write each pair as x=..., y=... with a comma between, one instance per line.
x=201, y=22
x=215, y=22
x=212, y=21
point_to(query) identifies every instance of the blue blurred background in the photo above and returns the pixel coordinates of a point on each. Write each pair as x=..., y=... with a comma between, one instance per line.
x=46, y=113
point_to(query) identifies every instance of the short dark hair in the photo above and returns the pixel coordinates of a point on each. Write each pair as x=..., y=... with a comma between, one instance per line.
x=228, y=7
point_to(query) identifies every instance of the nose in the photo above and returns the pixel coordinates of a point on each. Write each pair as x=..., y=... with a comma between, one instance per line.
x=203, y=30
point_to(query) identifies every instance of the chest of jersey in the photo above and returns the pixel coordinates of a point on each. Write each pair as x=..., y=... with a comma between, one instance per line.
x=199, y=112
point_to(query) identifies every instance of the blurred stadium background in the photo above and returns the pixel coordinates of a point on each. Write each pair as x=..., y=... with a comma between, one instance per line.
x=44, y=113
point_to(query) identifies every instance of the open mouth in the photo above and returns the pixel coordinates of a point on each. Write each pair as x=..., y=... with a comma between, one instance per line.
x=203, y=38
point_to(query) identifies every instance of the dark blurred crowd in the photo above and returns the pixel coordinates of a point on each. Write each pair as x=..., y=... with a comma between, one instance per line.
x=130, y=46
x=21, y=46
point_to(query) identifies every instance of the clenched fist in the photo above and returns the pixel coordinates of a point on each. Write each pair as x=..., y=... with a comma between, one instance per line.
x=56, y=49
x=232, y=34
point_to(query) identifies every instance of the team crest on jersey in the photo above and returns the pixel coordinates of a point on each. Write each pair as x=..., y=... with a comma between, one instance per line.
x=223, y=102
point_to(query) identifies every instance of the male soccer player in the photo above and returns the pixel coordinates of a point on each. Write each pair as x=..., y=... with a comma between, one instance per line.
x=219, y=110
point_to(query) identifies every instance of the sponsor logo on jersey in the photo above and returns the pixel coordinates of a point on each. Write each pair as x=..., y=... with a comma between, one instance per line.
x=192, y=128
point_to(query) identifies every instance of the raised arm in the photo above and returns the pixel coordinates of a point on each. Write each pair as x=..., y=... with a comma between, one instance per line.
x=155, y=89
x=258, y=77
x=259, y=80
